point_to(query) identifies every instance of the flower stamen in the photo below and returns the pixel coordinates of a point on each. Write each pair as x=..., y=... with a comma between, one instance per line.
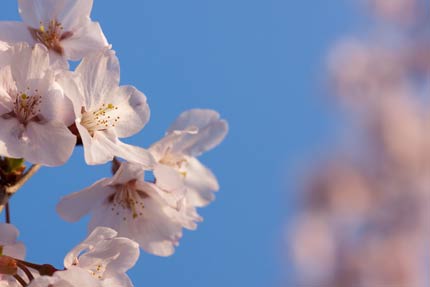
x=51, y=35
x=127, y=198
x=26, y=108
x=101, y=119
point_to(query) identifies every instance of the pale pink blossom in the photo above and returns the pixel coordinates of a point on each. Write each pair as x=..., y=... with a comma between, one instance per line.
x=72, y=277
x=105, y=111
x=102, y=259
x=193, y=133
x=144, y=211
x=63, y=26
x=34, y=113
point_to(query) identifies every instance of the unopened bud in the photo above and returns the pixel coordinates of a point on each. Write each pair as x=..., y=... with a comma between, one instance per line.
x=8, y=265
x=115, y=165
x=47, y=270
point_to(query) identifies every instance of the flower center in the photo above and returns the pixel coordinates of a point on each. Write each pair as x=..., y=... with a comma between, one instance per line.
x=98, y=270
x=101, y=119
x=127, y=198
x=51, y=35
x=26, y=108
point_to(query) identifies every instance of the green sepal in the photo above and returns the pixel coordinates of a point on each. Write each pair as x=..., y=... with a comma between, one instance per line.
x=14, y=164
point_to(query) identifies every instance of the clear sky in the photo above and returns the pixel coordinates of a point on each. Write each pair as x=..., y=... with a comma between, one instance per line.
x=260, y=63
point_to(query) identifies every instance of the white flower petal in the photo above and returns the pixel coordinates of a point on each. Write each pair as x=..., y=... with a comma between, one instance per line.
x=104, y=146
x=15, y=32
x=95, y=151
x=55, y=105
x=171, y=183
x=198, y=118
x=201, y=183
x=73, y=206
x=77, y=277
x=67, y=12
x=72, y=277
x=7, y=85
x=117, y=255
x=105, y=256
x=45, y=281
x=72, y=89
x=89, y=38
x=70, y=13
x=197, y=131
x=28, y=63
x=135, y=154
x=104, y=216
x=119, y=280
x=97, y=235
x=158, y=231
x=49, y=144
x=133, y=110
x=192, y=141
x=8, y=234
x=16, y=250
x=206, y=139
x=8, y=241
x=100, y=76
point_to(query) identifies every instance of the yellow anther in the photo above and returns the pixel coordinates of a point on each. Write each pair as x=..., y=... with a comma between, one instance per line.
x=110, y=106
x=42, y=28
x=24, y=96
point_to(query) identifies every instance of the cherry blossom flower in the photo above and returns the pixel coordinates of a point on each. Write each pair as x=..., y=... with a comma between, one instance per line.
x=106, y=257
x=100, y=260
x=105, y=111
x=11, y=247
x=140, y=210
x=63, y=26
x=73, y=277
x=194, y=132
x=34, y=113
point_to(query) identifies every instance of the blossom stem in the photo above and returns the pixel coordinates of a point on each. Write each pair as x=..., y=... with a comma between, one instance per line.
x=20, y=280
x=8, y=191
x=25, y=177
x=7, y=212
x=43, y=269
x=25, y=269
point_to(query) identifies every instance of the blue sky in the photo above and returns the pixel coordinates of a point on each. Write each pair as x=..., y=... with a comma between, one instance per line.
x=261, y=65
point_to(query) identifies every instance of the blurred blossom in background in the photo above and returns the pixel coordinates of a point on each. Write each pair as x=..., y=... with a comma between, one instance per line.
x=364, y=213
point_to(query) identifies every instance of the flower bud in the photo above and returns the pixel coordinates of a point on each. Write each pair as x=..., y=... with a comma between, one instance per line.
x=8, y=265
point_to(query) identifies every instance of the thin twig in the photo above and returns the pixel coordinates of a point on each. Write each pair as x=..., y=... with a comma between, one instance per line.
x=7, y=212
x=25, y=177
x=29, y=264
x=20, y=280
x=26, y=271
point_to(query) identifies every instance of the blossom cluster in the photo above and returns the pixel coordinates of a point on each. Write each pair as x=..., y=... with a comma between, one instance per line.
x=365, y=211
x=47, y=109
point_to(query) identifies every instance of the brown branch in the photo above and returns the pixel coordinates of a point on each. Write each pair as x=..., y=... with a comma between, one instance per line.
x=23, y=179
x=20, y=280
x=8, y=191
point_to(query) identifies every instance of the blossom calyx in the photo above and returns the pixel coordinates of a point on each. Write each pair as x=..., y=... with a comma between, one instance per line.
x=8, y=265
